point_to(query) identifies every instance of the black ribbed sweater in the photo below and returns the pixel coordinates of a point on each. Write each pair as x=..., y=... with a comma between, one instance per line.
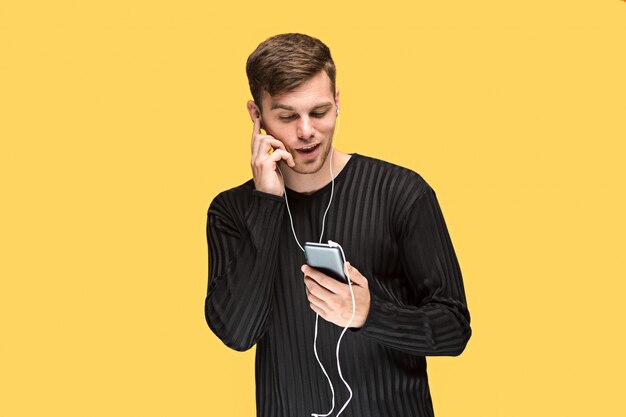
x=391, y=227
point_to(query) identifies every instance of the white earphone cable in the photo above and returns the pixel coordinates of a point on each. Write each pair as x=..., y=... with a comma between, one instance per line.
x=345, y=268
x=332, y=188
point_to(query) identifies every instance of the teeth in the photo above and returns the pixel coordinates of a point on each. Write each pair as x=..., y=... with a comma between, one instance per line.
x=310, y=147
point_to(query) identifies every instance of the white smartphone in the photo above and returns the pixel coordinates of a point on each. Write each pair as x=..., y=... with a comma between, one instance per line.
x=326, y=259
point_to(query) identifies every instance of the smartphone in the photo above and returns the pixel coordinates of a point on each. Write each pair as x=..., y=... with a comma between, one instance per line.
x=326, y=259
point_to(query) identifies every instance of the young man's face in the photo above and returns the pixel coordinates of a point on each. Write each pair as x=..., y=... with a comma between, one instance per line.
x=303, y=120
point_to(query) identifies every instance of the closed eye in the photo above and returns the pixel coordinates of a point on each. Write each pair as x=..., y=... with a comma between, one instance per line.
x=293, y=116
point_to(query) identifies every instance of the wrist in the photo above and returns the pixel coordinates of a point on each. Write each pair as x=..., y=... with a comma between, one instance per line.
x=277, y=191
x=269, y=196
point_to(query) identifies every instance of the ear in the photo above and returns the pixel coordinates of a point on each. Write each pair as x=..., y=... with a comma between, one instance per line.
x=253, y=109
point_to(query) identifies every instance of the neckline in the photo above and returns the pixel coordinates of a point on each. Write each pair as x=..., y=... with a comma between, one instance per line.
x=327, y=187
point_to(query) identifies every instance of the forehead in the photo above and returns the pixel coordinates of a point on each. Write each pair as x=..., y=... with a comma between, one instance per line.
x=311, y=93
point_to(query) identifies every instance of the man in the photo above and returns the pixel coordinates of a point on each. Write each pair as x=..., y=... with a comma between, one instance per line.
x=407, y=284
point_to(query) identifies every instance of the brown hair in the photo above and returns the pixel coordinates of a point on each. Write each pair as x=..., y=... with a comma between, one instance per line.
x=283, y=62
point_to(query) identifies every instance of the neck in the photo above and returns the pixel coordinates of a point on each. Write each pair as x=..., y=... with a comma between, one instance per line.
x=309, y=183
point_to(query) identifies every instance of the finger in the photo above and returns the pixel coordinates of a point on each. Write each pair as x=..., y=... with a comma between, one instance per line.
x=282, y=154
x=256, y=128
x=316, y=301
x=317, y=290
x=355, y=276
x=270, y=142
x=324, y=280
x=258, y=143
x=262, y=145
x=318, y=310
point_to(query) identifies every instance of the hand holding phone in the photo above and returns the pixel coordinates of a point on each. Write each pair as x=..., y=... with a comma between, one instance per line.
x=266, y=152
x=327, y=259
x=335, y=300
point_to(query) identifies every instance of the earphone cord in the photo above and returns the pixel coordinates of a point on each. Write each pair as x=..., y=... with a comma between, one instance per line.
x=332, y=188
x=343, y=255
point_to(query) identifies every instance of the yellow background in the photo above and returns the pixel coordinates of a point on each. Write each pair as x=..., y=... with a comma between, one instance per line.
x=121, y=120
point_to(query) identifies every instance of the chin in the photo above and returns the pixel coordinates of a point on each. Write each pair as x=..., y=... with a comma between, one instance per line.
x=311, y=167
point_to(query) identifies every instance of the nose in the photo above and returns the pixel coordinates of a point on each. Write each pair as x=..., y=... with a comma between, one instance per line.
x=306, y=130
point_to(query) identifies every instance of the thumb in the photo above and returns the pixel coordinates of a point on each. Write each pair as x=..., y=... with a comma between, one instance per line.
x=355, y=275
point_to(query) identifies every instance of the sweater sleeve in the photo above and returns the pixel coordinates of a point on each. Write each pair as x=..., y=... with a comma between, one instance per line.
x=438, y=325
x=242, y=268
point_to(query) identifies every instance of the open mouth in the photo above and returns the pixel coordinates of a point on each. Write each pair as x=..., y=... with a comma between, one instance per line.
x=309, y=149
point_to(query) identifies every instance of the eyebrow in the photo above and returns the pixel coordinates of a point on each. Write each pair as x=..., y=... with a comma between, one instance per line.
x=289, y=108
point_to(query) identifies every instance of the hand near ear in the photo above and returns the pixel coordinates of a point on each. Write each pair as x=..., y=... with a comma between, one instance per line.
x=266, y=152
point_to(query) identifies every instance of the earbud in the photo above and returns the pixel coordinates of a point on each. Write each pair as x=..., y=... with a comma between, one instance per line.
x=337, y=110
